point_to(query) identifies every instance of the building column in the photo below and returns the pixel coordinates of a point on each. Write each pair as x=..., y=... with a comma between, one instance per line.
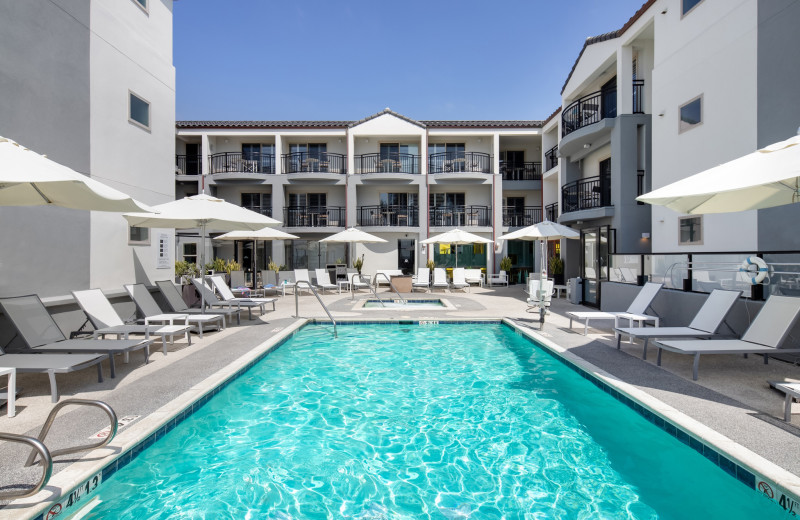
x=625, y=80
x=278, y=154
x=497, y=206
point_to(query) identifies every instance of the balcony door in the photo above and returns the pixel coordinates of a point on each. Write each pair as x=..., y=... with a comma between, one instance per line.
x=396, y=157
x=193, y=159
x=597, y=245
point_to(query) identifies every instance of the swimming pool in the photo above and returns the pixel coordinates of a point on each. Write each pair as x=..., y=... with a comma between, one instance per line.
x=412, y=421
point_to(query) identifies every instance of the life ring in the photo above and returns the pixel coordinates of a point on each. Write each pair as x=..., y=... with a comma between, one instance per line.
x=761, y=269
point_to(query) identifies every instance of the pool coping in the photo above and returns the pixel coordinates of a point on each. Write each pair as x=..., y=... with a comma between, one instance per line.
x=741, y=463
x=446, y=305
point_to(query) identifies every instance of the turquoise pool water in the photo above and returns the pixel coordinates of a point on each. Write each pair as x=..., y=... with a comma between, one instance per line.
x=411, y=421
x=407, y=304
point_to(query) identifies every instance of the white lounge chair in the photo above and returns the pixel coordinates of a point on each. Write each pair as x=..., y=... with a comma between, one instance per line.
x=474, y=276
x=211, y=300
x=355, y=280
x=242, y=303
x=301, y=275
x=106, y=321
x=422, y=280
x=440, y=279
x=269, y=281
x=152, y=312
x=384, y=276
x=459, y=279
x=539, y=292
x=324, y=280
x=175, y=301
x=227, y=295
x=764, y=335
x=704, y=325
x=497, y=279
x=634, y=313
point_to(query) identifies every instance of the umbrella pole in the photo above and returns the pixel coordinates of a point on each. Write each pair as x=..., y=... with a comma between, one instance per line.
x=542, y=278
x=203, y=264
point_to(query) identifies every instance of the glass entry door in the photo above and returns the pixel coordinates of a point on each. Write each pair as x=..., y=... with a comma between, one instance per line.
x=597, y=244
x=405, y=256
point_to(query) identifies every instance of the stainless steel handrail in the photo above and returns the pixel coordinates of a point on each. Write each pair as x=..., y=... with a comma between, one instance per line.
x=297, y=303
x=47, y=463
x=390, y=285
x=369, y=286
x=85, y=447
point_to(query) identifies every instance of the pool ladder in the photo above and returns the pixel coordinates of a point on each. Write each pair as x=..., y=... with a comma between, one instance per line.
x=45, y=455
x=297, y=303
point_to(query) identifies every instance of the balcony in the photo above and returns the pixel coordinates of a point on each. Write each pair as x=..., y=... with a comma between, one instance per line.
x=317, y=162
x=188, y=164
x=521, y=217
x=583, y=194
x=521, y=171
x=590, y=109
x=237, y=162
x=387, y=163
x=460, y=216
x=392, y=216
x=460, y=162
x=551, y=212
x=261, y=210
x=313, y=216
x=551, y=158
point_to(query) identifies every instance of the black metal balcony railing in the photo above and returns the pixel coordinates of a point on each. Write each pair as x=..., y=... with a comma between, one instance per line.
x=266, y=211
x=551, y=157
x=638, y=100
x=317, y=162
x=313, y=216
x=393, y=215
x=228, y=162
x=521, y=217
x=460, y=216
x=585, y=194
x=188, y=164
x=521, y=171
x=387, y=163
x=460, y=162
x=551, y=212
x=639, y=185
x=589, y=109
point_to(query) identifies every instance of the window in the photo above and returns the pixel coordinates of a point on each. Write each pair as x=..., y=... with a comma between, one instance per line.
x=258, y=202
x=138, y=236
x=312, y=200
x=446, y=199
x=688, y=5
x=142, y=4
x=690, y=231
x=190, y=253
x=691, y=114
x=139, y=112
x=398, y=199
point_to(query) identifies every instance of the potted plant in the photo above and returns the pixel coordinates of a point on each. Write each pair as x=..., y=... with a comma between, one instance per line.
x=358, y=263
x=184, y=271
x=276, y=269
x=556, y=269
x=431, y=264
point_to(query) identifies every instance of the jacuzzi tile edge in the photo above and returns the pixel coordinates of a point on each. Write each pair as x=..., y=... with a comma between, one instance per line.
x=741, y=463
x=141, y=435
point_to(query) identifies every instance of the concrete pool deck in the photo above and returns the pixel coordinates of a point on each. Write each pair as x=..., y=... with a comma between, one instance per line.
x=731, y=396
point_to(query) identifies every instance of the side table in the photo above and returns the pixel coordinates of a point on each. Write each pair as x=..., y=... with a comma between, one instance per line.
x=11, y=395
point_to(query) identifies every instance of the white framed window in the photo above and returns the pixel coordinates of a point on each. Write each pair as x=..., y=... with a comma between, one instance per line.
x=138, y=236
x=138, y=111
x=688, y=5
x=142, y=4
x=190, y=253
x=690, y=114
x=690, y=230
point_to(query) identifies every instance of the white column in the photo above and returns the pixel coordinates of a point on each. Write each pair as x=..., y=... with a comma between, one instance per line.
x=278, y=156
x=625, y=80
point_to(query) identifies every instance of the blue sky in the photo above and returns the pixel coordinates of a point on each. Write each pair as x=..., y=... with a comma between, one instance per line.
x=344, y=60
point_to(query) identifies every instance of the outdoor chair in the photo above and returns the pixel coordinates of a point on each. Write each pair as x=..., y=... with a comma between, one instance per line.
x=497, y=279
x=459, y=279
x=40, y=333
x=269, y=281
x=474, y=276
x=539, y=292
x=212, y=300
x=301, y=275
x=237, y=281
x=704, y=325
x=105, y=320
x=227, y=295
x=175, y=301
x=52, y=364
x=152, y=312
x=324, y=280
x=634, y=313
x=422, y=280
x=440, y=279
x=765, y=335
x=355, y=280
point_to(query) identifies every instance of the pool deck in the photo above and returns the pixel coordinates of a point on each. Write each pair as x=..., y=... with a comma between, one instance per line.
x=731, y=396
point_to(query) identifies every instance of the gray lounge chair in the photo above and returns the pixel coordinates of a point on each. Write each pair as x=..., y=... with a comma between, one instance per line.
x=227, y=295
x=52, y=364
x=704, y=325
x=41, y=334
x=764, y=335
x=105, y=320
x=634, y=313
x=152, y=312
x=211, y=299
x=175, y=301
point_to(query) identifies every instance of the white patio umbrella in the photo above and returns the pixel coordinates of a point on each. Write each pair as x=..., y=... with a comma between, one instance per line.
x=266, y=233
x=30, y=179
x=458, y=237
x=353, y=236
x=204, y=212
x=762, y=179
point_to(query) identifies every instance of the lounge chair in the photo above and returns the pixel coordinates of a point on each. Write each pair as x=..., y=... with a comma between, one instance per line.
x=538, y=292
x=152, y=312
x=105, y=320
x=268, y=281
x=474, y=276
x=459, y=279
x=301, y=275
x=498, y=279
x=324, y=280
x=212, y=301
x=175, y=301
x=440, y=279
x=355, y=280
x=237, y=280
x=704, y=325
x=227, y=295
x=764, y=335
x=422, y=280
x=53, y=364
x=41, y=334
x=634, y=313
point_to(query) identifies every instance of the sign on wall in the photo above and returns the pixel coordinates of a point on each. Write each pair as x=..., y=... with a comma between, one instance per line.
x=163, y=261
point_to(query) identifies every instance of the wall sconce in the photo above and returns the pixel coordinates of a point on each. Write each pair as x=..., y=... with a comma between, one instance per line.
x=661, y=114
x=645, y=236
x=664, y=11
x=587, y=145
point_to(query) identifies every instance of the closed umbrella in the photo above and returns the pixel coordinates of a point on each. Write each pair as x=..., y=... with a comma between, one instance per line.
x=458, y=237
x=266, y=233
x=30, y=179
x=204, y=212
x=762, y=179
